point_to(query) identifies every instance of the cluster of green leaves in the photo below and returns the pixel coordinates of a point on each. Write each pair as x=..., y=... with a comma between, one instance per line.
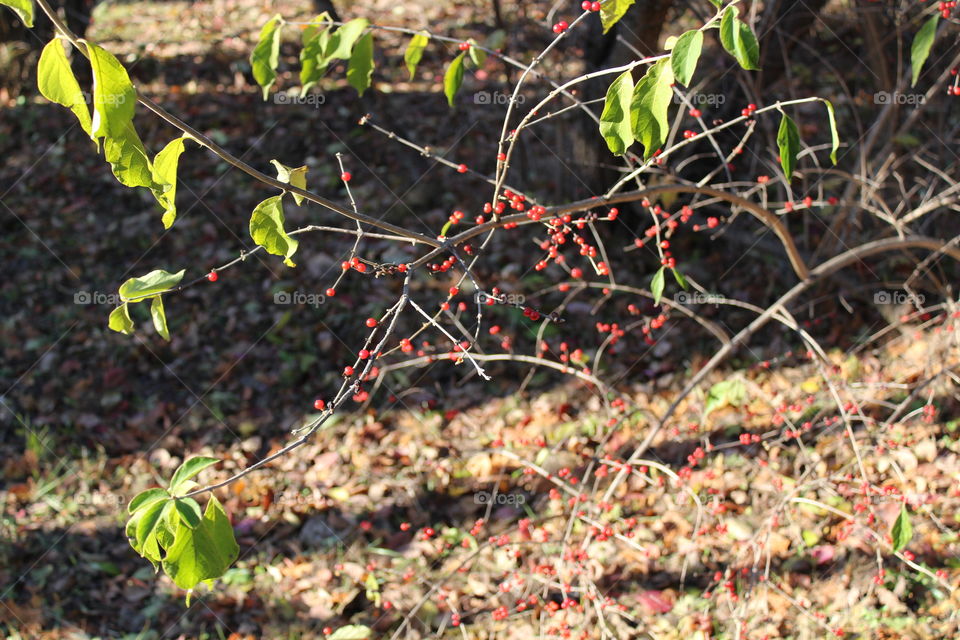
x=171, y=532
x=322, y=43
x=114, y=103
x=149, y=287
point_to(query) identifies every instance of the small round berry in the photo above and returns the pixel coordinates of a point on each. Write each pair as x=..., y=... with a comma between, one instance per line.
x=364, y=354
x=348, y=371
x=361, y=267
x=404, y=526
x=689, y=134
x=585, y=5
x=695, y=113
x=464, y=46
x=327, y=631
x=331, y=292
x=461, y=168
x=319, y=404
x=213, y=276
x=345, y=176
x=454, y=291
x=594, y=6
x=371, y=322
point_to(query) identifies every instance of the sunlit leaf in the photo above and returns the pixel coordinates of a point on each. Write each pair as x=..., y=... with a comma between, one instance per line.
x=360, y=69
x=266, y=229
x=114, y=98
x=615, y=125
x=164, y=172
x=204, y=552
x=657, y=285
x=738, y=39
x=23, y=9
x=266, y=55
x=611, y=11
x=158, y=281
x=296, y=177
x=834, y=135
x=453, y=78
x=159, y=317
x=649, y=107
x=685, y=55
x=922, y=43
x=902, y=531
x=57, y=83
x=788, y=141
x=188, y=469
x=120, y=320
x=414, y=52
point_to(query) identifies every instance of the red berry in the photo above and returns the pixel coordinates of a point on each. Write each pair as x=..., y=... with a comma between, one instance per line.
x=327, y=631
x=331, y=292
x=454, y=291
x=348, y=371
x=695, y=113
x=689, y=134
x=594, y=6
x=364, y=354
x=464, y=46
x=712, y=222
x=461, y=168
x=212, y=276
x=371, y=322
x=404, y=526
x=585, y=5
x=345, y=176
x=319, y=404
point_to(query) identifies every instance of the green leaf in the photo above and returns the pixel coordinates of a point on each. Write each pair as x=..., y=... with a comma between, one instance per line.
x=680, y=279
x=685, y=55
x=611, y=11
x=834, y=136
x=351, y=632
x=615, y=125
x=114, y=98
x=902, y=531
x=266, y=55
x=657, y=284
x=188, y=469
x=266, y=229
x=477, y=55
x=343, y=39
x=145, y=498
x=128, y=158
x=295, y=177
x=649, y=107
x=149, y=517
x=922, y=43
x=57, y=83
x=729, y=392
x=23, y=9
x=189, y=511
x=788, y=140
x=313, y=61
x=158, y=281
x=159, y=317
x=453, y=78
x=120, y=320
x=164, y=174
x=360, y=69
x=738, y=39
x=204, y=552
x=414, y=52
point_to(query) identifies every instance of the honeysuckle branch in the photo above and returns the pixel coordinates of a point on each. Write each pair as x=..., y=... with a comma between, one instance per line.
x=236, y=162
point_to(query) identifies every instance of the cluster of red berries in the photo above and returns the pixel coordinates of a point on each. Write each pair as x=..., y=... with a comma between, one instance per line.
x=694, y=112
x=560, y=27
x=353, y=263
x=464, y=46
x=945, y=8
x=748, y=110
x=586, y=5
